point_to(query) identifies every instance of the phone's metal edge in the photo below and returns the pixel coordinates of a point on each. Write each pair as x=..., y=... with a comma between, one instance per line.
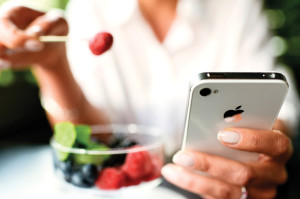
x=183, y=141
x=243, y=75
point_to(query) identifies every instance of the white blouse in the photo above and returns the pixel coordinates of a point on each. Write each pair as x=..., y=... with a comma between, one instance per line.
x=143, y=81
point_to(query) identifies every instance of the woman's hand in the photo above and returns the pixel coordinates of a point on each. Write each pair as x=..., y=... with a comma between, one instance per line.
x=226, y=177
x=20, y=28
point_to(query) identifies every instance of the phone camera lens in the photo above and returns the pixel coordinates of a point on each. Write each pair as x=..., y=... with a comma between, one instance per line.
x=205, y=92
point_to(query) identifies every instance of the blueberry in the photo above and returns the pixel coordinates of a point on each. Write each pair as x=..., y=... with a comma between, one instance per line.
x=116, y=140
x=66, y=168
x=125, y=143
x=120, y=141
x=114, y=160
x=89, y=172
x=77, y=179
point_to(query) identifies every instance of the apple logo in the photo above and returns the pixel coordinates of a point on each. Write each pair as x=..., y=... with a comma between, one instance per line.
x=233, y=115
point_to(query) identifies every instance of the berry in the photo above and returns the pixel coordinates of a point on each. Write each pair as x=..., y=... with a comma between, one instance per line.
x=157, y=164
x=118, y=141
x=126, y=143
x=78, y=179
x=114, y=160
x=137, y=165
x=89, y=173
x=66, y=168
x=132, y=182
x=100, y=43
x=111, y=178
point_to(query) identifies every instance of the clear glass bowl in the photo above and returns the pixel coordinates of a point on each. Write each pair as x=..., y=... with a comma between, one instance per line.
x=115, y=171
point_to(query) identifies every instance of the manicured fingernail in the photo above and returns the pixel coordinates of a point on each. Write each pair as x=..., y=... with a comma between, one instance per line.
x=54, y=15
x=229, y=137
x=33, y=45
x=4, y=64
x=34, y=30
x=183, y=159
x=169, y=172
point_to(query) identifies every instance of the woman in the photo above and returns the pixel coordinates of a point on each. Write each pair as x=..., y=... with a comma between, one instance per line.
x=144, y=78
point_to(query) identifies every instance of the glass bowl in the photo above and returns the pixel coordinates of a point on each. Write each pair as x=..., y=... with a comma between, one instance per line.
x=130, y=164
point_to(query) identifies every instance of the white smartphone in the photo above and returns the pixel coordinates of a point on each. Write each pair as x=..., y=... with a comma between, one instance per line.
x=222, y=100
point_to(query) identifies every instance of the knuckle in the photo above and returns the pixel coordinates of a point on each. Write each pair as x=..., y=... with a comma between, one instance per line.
x=256, y=142
x=16, y=42
x=272, y=193
x=190, y=184
x=225, y=192
x=282, y=178
x=203, y=165
x=244, y=175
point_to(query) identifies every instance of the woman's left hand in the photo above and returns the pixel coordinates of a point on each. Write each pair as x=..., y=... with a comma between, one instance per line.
x=226, y=177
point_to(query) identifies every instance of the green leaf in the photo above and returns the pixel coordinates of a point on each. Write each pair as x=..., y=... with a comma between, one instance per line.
x=95, y=159
x=83, y=134
x=64, y=134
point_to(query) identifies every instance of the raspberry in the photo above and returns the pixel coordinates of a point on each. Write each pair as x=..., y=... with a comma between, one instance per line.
x=157, y=163
x=110, y=178
x=137, y=165
x=100, y=43
x=132, y=182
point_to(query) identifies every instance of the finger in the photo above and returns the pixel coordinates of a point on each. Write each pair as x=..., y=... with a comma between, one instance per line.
x=262, y=193
x=2, y=49
x=272, y=143
x=199, y=184
x=20, y=16
x=12, y=23
x=4, y=63
x=207, y=197
x=20, y=59
x=268, y=173
x=52, y=23
x=227, y=170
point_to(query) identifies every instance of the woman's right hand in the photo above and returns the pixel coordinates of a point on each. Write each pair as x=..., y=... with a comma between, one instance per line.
x=20, y=28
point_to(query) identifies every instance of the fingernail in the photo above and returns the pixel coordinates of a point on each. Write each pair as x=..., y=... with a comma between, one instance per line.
x=54, y=15
x=34, y=30
x=4, y=64
x=169, y=173
x=33, y=45
x=183, y=159
x=229, y=137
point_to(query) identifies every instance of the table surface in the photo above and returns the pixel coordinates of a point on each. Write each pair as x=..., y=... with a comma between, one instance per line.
x=27, y=172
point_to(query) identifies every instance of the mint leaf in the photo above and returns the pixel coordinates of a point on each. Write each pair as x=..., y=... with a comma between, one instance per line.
x=64, y=134
x=95, y=159
x=83, y=134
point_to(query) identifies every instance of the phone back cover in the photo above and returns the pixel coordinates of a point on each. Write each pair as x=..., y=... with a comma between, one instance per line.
x=252, y=103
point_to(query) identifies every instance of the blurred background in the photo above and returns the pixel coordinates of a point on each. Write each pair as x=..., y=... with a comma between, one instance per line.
x=22, y=119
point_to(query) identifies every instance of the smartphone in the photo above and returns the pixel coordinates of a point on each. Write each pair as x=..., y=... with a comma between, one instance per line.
x=222, y=100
